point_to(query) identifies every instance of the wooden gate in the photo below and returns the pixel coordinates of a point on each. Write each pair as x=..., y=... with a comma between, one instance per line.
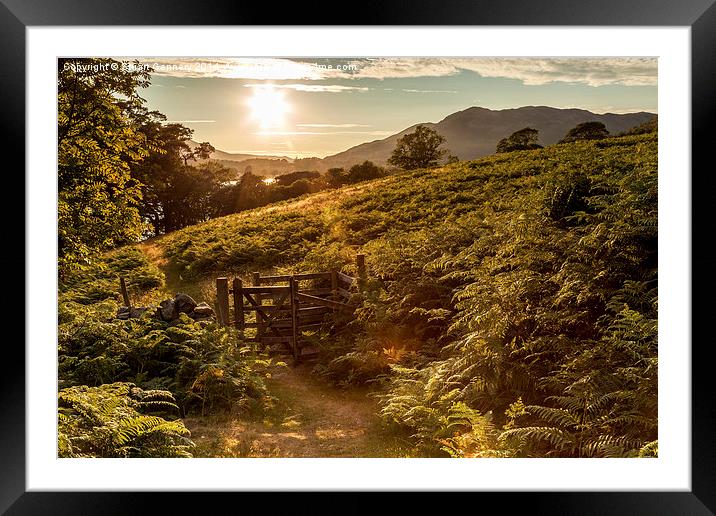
x=281, y=308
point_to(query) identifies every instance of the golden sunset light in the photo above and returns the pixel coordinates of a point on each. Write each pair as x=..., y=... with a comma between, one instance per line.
x=268, y=106
x=399, y=257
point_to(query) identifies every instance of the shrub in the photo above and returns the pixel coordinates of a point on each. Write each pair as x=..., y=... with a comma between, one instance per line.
x=120, y=420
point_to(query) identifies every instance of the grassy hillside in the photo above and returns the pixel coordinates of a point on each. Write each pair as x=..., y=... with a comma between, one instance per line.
x=474, y=132
x=513, y=301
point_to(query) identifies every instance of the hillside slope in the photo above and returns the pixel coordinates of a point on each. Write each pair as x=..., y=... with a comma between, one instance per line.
x=474, y=132
x=511, y=308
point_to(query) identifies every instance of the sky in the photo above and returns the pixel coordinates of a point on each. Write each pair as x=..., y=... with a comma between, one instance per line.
x=318, y=107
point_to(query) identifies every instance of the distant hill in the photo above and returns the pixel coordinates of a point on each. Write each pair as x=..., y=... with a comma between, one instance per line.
x=235, y=156
x=268, y=166
x=474, y=132
x=471, y=133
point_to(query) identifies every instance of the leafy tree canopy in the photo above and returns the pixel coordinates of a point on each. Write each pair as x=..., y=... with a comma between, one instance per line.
x=524, y=139
x=586, y=131
x=98, y=139
x=651, y=126
x=419, y=149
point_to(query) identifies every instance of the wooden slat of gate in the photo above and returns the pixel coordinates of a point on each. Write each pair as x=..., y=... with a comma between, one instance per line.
x=325, y=302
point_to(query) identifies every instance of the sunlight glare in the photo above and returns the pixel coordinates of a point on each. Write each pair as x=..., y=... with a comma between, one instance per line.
x=268, y=106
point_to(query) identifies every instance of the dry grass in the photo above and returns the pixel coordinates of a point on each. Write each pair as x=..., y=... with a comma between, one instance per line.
x=309, y=419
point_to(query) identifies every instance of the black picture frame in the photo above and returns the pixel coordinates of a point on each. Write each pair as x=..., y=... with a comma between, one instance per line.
x=700, y=15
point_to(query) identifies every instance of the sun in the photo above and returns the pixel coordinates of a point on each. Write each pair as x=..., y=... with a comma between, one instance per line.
x=268, y=106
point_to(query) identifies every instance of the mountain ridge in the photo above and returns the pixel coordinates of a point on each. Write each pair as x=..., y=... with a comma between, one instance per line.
x=471, y=133
x=474, y=132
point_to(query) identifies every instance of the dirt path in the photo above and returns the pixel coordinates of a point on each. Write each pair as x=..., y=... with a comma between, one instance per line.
x=310, y=419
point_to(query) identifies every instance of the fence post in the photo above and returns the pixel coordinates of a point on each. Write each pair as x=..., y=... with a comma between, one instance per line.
x=125, y=294
x=294, y=317
x=360, y=263
x=222, y=300
x=334, y=291
x=334, y=284
x=237, y=287
x=256, y=282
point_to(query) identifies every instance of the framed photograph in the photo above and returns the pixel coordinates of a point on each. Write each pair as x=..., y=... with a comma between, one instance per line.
x=420, y=251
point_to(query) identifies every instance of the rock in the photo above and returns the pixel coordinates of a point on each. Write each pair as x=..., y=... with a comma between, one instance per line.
x=202, y=311
x=184, y=303
x=167, y=310
x=137, y=312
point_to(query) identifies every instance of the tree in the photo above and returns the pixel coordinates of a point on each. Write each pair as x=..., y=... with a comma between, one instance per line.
x=524, y=139
x=202, y=151
x=174, y=194
x=335, y=177
x=651, y=126
x=292, y=177
x=364, y=171
x=97, y=141
x=419, y=149
x=252, y=191
x=586, y=131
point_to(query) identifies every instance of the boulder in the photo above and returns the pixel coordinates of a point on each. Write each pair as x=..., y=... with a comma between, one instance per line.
x=202, y=311
x=184, y=303
x=167, y=310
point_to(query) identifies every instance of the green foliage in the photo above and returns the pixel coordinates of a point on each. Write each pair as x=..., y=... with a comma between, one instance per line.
x=524, y=139
x=203, y=365
x=566, y=196
x=244, y=242
x=651, y=126
x=364, y=172
x=120, y=420
x=97, y=140
x=176, y=194
x=100, y=281
x=442, y=426
x=419, y=149
x=586, y=131
x=515, y=290
x=564, y=319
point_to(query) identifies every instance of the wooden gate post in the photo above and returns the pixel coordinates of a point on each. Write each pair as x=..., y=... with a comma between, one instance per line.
x=222, y=300
x=256, y=282
x=239, y=322
x=294, y=317
x=334, y=290
x=125, y=294
x=360, y=263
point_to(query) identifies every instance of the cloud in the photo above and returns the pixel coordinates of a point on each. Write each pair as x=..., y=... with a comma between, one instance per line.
x=429, y=91
x=611, y=109
x=397, y=68
x=632, y=71
x=627, y=71
x=332, y=125
x=311, y=133
x=592, y=71
x=238, y=68
x=311, y=88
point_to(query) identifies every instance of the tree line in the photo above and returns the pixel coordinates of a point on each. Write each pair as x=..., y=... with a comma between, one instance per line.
x=526, y=138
